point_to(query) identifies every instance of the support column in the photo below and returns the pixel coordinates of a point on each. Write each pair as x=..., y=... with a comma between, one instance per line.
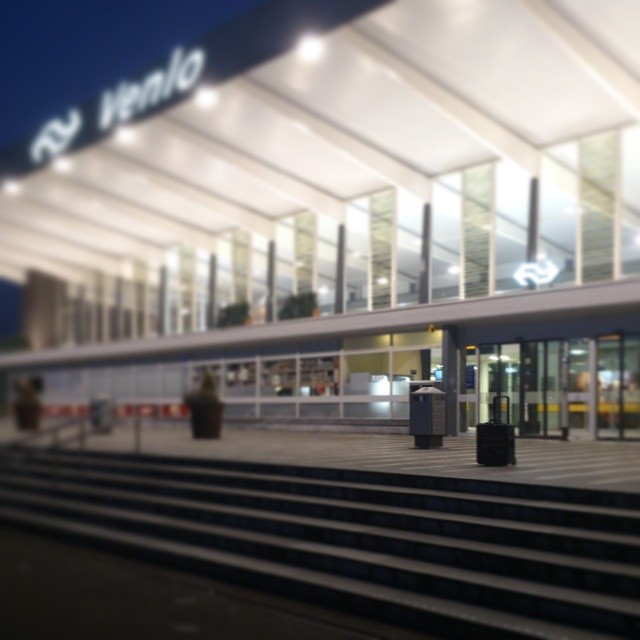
x=271, y=282
x=451, y=375
x=533, y=226
x=341, y=271
x=213, y=281
x=119, y=309
x=424, y=281
x=534, y=221
x=79, y=311
x=162, y=302
x=592, y=424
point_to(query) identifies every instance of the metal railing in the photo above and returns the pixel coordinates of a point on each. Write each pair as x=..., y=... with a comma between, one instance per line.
x=27, y=447
x=60, y=435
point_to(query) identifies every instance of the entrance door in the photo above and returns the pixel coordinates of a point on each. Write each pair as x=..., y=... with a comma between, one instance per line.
x=499, y=374
x=609, y=387
x=618, y=387
x=547, y=383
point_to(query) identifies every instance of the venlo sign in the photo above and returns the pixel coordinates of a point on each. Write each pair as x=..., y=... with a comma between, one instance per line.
x=127, y=101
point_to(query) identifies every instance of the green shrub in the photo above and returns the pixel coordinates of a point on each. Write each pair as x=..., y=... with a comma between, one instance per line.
x=234, y=314
x=299, y=305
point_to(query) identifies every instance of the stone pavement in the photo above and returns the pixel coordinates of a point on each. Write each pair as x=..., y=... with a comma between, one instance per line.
x=607, y=465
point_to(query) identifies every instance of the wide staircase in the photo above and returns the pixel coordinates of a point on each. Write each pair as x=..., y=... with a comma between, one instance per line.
x=450, y=557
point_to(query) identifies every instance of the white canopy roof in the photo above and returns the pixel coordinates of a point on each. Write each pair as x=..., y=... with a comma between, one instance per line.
x=412, y=90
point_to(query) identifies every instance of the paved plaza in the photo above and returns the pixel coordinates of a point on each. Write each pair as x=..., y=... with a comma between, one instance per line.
x=607, y=465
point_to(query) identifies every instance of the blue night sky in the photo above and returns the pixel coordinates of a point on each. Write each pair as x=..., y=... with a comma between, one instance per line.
x=54, y=54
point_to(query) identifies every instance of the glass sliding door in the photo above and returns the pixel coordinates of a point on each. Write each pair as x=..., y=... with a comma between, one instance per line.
x=609, y=387
x=532, y=401
x=499, y=375
x=631, y=387
x=530, y=375
x=578, y=385
x=619, y=387
x=552, y=387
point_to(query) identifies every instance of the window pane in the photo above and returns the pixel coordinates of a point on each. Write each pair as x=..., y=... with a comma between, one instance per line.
x=367, y=374
x=382, y=248
x=559, y=212
x=285, y=274
x=597, y=186
x=358, y=255
x=630, y=228
x=477, y=225
x=278, y=378
x=240, y=379
x=445, y=238
x=511, y=223
x=409, y=242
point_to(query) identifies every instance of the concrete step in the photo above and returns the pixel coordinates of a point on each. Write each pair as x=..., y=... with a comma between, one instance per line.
x=561, y=540
x=561, y=570
x=568, y=495
x=588, y=611
x=440, y=617
x=535, y=511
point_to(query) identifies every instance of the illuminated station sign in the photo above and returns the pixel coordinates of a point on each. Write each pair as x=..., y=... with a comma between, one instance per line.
x=268, y=29
x=536, y=273
x=127, y=101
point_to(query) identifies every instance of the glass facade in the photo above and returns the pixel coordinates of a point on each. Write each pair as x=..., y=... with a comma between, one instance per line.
x=588, y=230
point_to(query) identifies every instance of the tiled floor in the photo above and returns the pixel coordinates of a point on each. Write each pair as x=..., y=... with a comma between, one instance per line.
x=598, y=465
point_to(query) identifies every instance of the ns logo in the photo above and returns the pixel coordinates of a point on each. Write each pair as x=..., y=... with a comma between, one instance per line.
x=55, y=137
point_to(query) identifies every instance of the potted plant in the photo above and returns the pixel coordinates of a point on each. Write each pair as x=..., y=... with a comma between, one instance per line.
x=234, y=314
x=205, y=408
x=27, y=407
x=300, y=305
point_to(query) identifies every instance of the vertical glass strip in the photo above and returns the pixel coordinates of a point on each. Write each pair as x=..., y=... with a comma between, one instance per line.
x=305, y=234
x=477, y=197
x=630, y=222
x=186, y=289
x=597, y=195
x=241, y=247
x=382, y=248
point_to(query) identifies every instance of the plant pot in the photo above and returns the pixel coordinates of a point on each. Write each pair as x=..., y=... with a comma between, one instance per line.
x=27, y=415
x=206, y=419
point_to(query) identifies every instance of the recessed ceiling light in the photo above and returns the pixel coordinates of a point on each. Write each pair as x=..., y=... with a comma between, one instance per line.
x=323, y=290
x=125, y=135
x=62, y=165
x=206, y=98
x=310, y=48
x=454, y=270
x=301, y=126
x=391, y=74
x=12, y=188
x=382, y=280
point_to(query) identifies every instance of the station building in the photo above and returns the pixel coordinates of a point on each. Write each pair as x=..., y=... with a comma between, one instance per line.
x=455, y=182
